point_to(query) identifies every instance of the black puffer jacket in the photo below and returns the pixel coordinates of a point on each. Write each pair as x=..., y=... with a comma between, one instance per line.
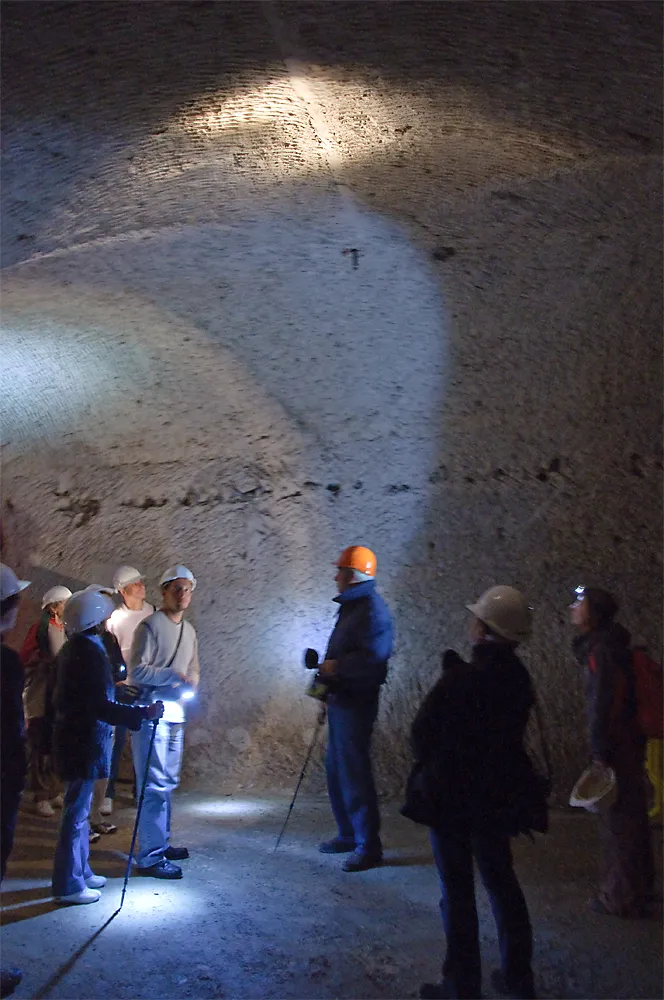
x=86, y=711
x=472, y=768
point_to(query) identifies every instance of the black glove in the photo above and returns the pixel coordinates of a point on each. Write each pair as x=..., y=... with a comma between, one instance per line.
x=311, y=659
x=127, y=694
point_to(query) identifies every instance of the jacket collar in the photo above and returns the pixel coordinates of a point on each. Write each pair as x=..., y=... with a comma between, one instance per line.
x=355, y=591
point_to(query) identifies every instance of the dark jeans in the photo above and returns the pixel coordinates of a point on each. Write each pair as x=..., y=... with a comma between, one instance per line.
x=350, y=780
x=119, y=738
x=462, y=971
x=41, y=780
x=10, y=798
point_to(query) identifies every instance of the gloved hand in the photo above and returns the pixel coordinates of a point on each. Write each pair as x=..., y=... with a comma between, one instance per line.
x=311, y=659
x=127, y=694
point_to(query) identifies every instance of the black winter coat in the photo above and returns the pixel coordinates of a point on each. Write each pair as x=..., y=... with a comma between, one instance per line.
x=86, y=711
x=473, y=770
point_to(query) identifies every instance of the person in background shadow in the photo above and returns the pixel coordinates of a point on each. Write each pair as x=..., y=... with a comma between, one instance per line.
x=12, y=738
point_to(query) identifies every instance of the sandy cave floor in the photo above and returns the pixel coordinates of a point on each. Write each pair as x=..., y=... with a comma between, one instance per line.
x=245, y=922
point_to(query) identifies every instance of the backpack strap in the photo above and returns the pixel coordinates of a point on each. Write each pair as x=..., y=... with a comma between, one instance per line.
x=545, y=746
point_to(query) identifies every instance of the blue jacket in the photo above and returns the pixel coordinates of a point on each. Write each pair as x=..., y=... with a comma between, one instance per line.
x=361, y=643
x=86, y=710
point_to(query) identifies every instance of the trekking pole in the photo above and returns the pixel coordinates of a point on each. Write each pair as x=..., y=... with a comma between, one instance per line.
x=153, y=734
x=314, y=739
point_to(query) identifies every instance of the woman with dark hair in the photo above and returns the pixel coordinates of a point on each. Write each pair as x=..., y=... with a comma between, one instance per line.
x=616, y=741
x=474, y=786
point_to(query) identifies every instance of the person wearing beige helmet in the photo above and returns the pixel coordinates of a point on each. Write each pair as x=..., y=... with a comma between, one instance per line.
x=129, y=582
x=164, y=662
x=42, y=644
x=475, y=789
x=12, y=737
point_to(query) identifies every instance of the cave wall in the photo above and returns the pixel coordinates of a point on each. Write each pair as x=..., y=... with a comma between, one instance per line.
x=194, y=369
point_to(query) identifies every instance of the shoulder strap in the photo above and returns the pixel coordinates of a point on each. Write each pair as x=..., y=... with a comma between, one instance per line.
x=177, y=646
x=545, y=746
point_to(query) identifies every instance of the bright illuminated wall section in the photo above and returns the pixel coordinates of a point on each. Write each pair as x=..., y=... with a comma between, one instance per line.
x=241, y=399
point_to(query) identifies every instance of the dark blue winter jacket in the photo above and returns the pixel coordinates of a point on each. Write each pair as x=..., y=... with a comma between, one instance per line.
x=361, y=643
x=86, y=710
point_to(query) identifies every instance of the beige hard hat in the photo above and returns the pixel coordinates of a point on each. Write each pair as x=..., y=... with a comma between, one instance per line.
x=505, y=611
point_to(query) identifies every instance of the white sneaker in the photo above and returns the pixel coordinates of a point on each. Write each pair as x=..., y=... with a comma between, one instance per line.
x=96, y=882
x=45, y=809
x=106, y=807
x=80, y=898
x=58, y=802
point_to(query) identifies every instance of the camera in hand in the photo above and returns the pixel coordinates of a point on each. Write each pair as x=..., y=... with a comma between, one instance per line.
x=311, y=659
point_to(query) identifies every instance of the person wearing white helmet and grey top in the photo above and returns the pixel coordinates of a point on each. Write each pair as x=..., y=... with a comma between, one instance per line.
x=130, y=584
x=85, y=711
x=12, y=738
x=42, y=644
x=475, y=787
x=164, y=661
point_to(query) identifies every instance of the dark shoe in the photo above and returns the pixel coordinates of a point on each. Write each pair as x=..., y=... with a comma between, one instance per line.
x=104, y=828
x=176, y=853
x=359, y=861
x=336, y=846
x=524, y=989
x=9, y=980
x=163, y=869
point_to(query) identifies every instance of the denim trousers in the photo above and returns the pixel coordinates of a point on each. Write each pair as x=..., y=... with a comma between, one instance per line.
x=71, y=866
x=163, y=777
x=350, y=781
x=453, y=851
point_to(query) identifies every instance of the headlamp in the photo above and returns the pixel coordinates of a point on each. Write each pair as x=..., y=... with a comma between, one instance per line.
x=188, y=695
x=579, y=591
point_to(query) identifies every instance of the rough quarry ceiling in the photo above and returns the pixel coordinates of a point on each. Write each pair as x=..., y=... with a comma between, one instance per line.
x=195, y=370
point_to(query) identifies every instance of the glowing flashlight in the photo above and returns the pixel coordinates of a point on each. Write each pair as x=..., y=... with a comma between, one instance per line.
x=188, y=695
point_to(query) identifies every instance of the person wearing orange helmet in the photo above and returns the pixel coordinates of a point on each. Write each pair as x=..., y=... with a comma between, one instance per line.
x=354, y=669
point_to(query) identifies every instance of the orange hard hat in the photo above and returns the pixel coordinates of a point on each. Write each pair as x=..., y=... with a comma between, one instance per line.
x=359, y=558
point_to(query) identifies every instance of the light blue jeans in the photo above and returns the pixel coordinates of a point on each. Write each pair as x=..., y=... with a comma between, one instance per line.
x=70, y=865
x=154, y=826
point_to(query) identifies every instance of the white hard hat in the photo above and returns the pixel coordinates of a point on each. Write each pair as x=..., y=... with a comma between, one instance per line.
x=10, y=583
x=505, y=611
x=85, y=609
x=55, y=595
x=177, y=573
x=125, y=575
x=596, y=790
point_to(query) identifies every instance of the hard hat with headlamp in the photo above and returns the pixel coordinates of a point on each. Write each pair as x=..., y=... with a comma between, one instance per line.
x=85, y=610
x=124, y=576
x=177, y=573
x=55, y=595
x=505, y=611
